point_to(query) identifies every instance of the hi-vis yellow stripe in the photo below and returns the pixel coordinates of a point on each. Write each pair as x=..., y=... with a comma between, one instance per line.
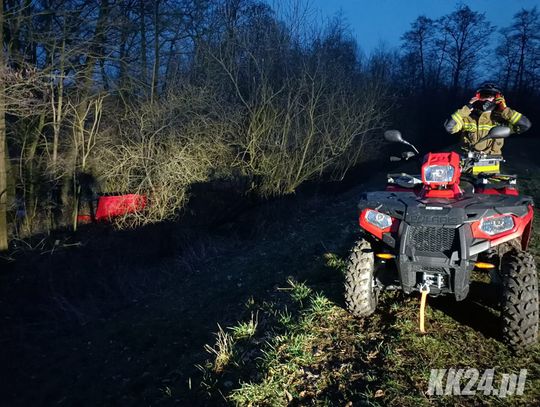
x=458, y=119
x=486, y=126
x=515, y=118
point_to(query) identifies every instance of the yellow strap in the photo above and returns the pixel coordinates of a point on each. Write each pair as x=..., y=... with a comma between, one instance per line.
x=423, y=310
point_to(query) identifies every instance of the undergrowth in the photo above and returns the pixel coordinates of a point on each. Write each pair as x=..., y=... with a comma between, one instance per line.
x=308, y=351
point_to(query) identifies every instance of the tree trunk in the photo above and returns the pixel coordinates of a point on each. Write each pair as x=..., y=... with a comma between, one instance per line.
x=422, y=62
x=58, y=106
x=95, y=56
x=30, y=196
x=3, y=173
x=440, y=63
x=123, y=68
x=457, y=73
x=142, y=28
x=521, y=66
x=155, y=70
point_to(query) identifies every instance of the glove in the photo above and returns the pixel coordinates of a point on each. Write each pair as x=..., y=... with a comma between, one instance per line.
x=473, y=99
x=500, y=102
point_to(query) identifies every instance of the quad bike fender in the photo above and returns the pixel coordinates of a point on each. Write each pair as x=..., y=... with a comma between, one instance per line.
x=521, y=231
x=527, y=233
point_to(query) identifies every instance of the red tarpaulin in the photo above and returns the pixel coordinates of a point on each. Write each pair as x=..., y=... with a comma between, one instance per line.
x=118, y=205
x=115, y=205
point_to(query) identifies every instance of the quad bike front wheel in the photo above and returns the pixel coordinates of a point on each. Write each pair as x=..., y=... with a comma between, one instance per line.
x=360, y=294
x=519, y=299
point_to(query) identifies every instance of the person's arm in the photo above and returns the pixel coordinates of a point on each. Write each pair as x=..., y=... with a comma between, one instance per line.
x=455, y=123
x=517, y=122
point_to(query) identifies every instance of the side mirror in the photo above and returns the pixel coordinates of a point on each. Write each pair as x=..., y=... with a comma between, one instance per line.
x=393, y=136
x=499, y=132
x=496, y=132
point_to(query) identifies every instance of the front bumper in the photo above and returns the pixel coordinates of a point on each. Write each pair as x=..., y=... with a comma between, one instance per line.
x=434, y=242
x=437, y=256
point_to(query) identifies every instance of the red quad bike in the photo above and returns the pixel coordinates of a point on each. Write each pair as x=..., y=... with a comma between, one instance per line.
x=427, y=233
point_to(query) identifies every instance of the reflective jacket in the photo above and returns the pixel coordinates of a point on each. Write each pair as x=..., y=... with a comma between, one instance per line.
x=474, y=125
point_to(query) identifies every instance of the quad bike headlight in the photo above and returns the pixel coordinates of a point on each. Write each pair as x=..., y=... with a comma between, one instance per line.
x=378, y=219
x=439, y=173
x=496, y=225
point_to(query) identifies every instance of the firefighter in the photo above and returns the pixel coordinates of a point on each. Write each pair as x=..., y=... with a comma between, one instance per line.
x=485, y=110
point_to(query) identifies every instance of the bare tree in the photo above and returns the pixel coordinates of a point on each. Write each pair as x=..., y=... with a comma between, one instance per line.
x=468, y=33
x=85, y=126
x=286, y=105
x=519, y=47
x=417, y=43
x=165, y=146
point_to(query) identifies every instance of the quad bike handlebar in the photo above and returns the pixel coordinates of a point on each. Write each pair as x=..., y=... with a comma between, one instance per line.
x=476, y=166
x=394, y=136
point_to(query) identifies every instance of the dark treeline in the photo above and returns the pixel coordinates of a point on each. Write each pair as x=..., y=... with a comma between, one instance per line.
x=154, y=96
x=443, y=60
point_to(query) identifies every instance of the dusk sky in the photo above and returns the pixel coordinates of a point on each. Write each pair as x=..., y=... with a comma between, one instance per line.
x=376, y=21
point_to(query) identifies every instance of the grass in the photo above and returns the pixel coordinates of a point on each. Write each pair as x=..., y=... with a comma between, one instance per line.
x=283, y=336
x=313, y=353
x=299, y=291
x=320, y=355
x=223, y=350
x=245, y=330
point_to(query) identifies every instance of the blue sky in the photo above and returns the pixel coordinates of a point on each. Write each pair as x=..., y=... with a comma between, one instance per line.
x=376, y=21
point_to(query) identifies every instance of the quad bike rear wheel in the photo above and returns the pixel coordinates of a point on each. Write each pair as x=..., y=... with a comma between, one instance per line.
x=519, y=299
x=360, y=294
